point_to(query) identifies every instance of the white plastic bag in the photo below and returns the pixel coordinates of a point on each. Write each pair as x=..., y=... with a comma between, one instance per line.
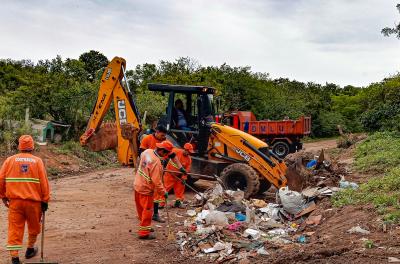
x=292, y=202
x=216, y=218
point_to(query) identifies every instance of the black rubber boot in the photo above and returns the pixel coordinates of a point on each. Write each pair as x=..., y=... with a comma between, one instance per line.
x=31, y=252
x=157, y=218
x=15, y=261
x=155, y=206
x=148, y=237
x=178, y=204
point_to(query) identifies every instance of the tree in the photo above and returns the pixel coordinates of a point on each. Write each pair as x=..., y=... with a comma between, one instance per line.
x=387, y=31
x=93, y=62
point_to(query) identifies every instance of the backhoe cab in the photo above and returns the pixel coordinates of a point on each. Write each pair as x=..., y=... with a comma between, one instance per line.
x=241, y=160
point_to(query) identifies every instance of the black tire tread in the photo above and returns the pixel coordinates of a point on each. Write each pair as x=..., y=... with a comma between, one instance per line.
x=253, y=183
x=286, y=146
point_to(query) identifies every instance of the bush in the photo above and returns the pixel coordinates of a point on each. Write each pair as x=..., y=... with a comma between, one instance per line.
x=9, y=138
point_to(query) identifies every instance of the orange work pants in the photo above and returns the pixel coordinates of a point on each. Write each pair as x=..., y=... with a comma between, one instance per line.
x=172, y=182
x=160, y=199
x=144, y=208
x=19, y=212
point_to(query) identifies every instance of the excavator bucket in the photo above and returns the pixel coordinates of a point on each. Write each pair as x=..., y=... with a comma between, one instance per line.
x=105, y=138
x=297, y=174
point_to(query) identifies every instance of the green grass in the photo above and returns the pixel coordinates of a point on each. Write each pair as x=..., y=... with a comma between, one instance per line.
x=380, y=155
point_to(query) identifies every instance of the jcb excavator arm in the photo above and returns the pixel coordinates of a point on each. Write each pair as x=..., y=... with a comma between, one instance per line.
x=126, y=112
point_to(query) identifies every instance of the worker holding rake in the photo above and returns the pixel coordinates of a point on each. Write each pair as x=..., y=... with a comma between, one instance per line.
x=149, y=142
x=177, y=180
x=24, y=189
x=148, y=183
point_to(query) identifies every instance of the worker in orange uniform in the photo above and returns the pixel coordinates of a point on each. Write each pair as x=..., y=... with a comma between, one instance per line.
x=177, y=180
x=24, y=189
x=148, y=182
x=150, y=141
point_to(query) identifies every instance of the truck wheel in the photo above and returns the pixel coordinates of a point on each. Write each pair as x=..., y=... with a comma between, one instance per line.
x=241, y=176
x=264, y=186
x=281, y=149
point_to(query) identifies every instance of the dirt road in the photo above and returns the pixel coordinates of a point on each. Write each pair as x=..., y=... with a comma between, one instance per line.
x=92, y=220
x=318, y=145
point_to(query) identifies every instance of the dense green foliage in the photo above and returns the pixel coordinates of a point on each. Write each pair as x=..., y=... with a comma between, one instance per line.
x=66, y=90
x=379, y=154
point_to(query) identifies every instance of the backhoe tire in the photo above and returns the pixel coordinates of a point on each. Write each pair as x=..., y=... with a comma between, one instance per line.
x=264, y=186
x=241, y=176
x=281, y=149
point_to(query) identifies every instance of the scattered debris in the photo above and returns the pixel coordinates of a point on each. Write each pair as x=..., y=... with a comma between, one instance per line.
x=346, y=184
x=393, y=260
x=359, y=230
x=314, y=220
x=307, y=171
x=228, y=228
x=225, y=227
x=302, y=239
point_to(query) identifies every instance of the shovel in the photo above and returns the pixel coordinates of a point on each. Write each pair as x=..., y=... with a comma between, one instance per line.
x=42, y=245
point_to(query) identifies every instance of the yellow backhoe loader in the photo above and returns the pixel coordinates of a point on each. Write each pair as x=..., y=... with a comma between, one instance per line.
x=241, y=161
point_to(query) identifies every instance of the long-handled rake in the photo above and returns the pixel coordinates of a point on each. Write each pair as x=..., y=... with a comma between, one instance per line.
x=171, y=234
x=42, y=245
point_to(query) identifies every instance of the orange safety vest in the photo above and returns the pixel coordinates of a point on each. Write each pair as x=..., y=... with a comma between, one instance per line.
x=186, y=161
x=149, y=173
x=23, y=176
x=149, y=142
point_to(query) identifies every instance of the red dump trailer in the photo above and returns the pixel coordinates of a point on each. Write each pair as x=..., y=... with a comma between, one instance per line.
x=284, y=136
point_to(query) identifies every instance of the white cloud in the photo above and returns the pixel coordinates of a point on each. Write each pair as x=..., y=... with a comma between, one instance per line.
x=308, y=40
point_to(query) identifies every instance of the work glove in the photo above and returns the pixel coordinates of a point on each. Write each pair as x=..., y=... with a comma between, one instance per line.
x=166, y=195
x=172, y=155
x=6, y=202
x=182, y=169
x=45, y=206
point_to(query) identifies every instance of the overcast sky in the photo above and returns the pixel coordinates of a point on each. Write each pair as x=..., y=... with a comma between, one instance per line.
x=322, y=41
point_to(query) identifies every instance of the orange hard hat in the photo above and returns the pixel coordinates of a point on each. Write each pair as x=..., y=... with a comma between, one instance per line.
x=25, y=142
x=165, y=145
x=188, y=147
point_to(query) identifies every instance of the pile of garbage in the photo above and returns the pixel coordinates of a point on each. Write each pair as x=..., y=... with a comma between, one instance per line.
x=226, y=228
x=306, y=170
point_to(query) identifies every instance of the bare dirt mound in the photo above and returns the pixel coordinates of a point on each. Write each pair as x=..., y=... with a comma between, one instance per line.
x=61, y=162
